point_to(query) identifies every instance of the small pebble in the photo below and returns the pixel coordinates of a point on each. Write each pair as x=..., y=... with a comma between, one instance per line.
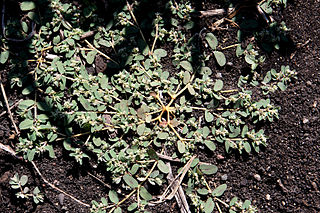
x=224, y=177
x=257, y=177
x=220, y=157
x=230, y=63
x=314, y=185
x=61, y=198
x=268, y=197
x=305, y=120
x=219, y=75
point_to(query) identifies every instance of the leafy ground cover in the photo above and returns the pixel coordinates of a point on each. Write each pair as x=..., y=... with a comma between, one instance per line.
x=119, y=102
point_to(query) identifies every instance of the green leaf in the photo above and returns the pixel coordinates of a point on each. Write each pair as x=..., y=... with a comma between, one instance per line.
x=51, y=152
x=91, y=56
x=246, y=204
x=26, y=104
x=239, y=51
x=194, y=162
x=24, y=26
x=145, y=194
x=4, y=56
x=218, y=85
x=267, y=78
x=27, y=5
x=191, y=90
x=233, y=201
x=209, y=205
x=163, y=135
x=85, y=103
x=56, y=39
x=27, y=90
x=220, y=57
x=117, y=210
x=205, y=132
x=113, y=197
x=212, y=40
x=132, y=206
x=202, y=191
x=186, y=77
x=30, y=154
x=210, y=145
x=217, y=192
x=208, y=169
x=23, y=180
x=163, y=167
x=104, y=201
x=133, y=183
x=26, y=124
x=186, y=65
x=247, y=147
x=244, y=131
x=140, y=129
x=60, y=67
x=160, y=53
x=282, y=86
x=208, y=116
x=36, y=191
x=250, y=59
x=181, y=147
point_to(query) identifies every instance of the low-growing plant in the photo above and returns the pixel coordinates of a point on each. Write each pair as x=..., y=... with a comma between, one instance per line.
x=148, y=102
x=19, y=183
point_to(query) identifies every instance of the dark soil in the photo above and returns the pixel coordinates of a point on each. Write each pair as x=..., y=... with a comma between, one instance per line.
x=284, y=177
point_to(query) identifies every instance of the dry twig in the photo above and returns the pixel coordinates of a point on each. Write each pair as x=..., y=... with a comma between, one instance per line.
x=8, y=107
x=180, y=196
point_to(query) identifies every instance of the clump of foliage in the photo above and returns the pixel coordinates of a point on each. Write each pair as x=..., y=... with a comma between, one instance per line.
x=148, y=100
x=19, y=183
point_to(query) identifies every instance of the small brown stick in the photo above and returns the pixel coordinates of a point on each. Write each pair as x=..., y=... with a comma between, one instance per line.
x=180, y=196
x=177, y=183
x=215, y=12
x=263, y=14
x=165, y=157
x=10, y=151
x=14, y=105
x=8, y=107
x=87, y=35
x=108, y=186
x=56, y=188
x=98, y=51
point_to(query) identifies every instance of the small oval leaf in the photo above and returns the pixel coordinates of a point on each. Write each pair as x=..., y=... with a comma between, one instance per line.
x=23, y=180
x=217, y=192
x=208, y=169
x=210, y=145
x=208, y=116
x=186, y=77
x=27, y=5
x=209, y=206
x=145, y=194
x=133, y=183
x=113, y=197
x=186, y=65
x=218, y=85
x=4, y=57
x=212, y=40
x=181, y=147
x=220, y=57
x=163, y=167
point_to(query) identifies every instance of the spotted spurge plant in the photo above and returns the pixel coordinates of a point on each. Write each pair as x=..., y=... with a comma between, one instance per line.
x=155, y=100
